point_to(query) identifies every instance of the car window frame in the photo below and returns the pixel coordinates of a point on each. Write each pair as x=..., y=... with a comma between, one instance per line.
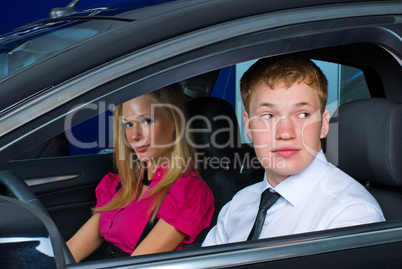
x=310, y=245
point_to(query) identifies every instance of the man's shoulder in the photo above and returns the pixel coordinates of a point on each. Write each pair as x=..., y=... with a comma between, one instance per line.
x=244, y=199
x=340, y=185
x=334, y=176
x=254, y=189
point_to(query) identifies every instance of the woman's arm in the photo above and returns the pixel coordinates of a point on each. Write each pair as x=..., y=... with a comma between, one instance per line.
x=163, y=237
x=86, y=240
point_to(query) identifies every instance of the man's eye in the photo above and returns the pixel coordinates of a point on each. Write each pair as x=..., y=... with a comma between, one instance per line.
x=267, y=116
x=303, y=115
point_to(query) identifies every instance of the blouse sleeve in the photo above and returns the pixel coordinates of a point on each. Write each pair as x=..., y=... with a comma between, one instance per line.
x=106, y=189
x=188, y=206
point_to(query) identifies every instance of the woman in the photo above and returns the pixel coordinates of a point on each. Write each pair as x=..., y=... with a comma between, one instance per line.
x=158, y=180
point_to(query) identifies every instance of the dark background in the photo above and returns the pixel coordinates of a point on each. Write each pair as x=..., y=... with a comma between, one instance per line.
x=15, y=13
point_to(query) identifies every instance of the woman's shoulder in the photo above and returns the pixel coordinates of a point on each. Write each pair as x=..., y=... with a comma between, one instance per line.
x=188, y=206
x=188, y=194
x=109, y=181
x=107, y=187
x=190, y=180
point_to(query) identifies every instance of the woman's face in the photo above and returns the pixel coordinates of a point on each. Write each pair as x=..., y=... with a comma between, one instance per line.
x=148, y=129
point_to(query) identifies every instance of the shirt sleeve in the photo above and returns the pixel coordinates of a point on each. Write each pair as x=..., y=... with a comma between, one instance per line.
x=217, y=235
x=356, y=214
x=106, y=189
x=188, y=206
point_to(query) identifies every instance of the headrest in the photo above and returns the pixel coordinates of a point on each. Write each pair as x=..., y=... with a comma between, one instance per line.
x=364, y=140
x=214, y=125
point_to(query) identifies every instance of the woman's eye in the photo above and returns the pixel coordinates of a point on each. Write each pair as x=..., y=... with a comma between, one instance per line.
x=127, y=125
x=147, y=121
x=303, y=115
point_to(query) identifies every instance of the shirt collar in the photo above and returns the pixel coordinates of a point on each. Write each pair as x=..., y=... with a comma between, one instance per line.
x=295, y=187
x=159, y=173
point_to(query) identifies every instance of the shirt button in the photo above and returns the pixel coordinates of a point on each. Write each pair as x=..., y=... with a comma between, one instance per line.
x=266, y=223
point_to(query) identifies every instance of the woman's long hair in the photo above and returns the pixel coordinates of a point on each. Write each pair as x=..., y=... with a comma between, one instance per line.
x=128, y=165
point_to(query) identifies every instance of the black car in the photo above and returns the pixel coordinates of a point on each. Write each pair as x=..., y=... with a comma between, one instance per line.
x=61, y=78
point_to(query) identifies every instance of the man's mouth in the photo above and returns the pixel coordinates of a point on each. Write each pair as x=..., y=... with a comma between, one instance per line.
x=285, y=152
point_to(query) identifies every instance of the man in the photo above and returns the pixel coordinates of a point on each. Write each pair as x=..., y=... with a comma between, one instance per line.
x=285, y=99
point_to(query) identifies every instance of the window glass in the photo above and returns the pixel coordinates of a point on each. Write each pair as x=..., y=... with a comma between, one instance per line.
x=353, y=85
x=93, y=136
x=26, y=46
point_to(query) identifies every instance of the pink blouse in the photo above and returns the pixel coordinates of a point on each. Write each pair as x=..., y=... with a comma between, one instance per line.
x=188, y=207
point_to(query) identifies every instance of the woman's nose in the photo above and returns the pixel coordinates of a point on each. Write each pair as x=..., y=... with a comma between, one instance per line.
x=134, y=133
x=284, y=129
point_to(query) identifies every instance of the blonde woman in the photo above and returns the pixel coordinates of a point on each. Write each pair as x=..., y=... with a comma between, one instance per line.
x=157, y=202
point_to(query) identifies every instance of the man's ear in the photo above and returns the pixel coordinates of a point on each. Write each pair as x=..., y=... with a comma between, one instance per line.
x=324, y=124
x=247, y=124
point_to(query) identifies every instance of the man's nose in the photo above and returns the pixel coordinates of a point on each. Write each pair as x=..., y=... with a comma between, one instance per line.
x=285, y=128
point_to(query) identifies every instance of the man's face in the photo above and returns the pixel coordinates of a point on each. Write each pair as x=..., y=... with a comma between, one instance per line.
x=286, y=127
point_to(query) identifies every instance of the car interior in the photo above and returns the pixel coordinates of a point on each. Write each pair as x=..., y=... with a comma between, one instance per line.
x=362, y=132
x=362, y=156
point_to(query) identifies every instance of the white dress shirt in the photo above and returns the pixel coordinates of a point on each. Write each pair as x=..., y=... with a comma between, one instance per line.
x=318, y=198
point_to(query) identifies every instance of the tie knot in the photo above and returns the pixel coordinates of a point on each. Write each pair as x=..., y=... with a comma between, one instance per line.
x=268, y=198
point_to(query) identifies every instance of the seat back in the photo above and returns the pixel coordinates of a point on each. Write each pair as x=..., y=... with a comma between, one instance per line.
x=364, y=140
x=216, y=133
x=220, y=155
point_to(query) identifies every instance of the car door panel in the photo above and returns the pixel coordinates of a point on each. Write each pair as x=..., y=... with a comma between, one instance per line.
x=69, y=194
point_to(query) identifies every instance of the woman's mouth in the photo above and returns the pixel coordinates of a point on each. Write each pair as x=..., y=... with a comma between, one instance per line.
x=141, y=149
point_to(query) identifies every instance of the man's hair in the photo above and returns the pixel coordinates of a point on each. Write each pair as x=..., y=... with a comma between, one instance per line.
x=288, y=69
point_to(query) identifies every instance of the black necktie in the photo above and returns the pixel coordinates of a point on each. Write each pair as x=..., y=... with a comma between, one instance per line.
x=267, y=200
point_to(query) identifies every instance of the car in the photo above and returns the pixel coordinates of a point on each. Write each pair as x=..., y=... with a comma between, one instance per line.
x=61, y=78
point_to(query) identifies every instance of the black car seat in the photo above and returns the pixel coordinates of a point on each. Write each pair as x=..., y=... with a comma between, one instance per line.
x=365, y=141
x=215, y=129
x=220, y=155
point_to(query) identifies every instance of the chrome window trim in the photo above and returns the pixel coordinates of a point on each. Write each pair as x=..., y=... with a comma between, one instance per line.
x=53, y=179
x=270, y=252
